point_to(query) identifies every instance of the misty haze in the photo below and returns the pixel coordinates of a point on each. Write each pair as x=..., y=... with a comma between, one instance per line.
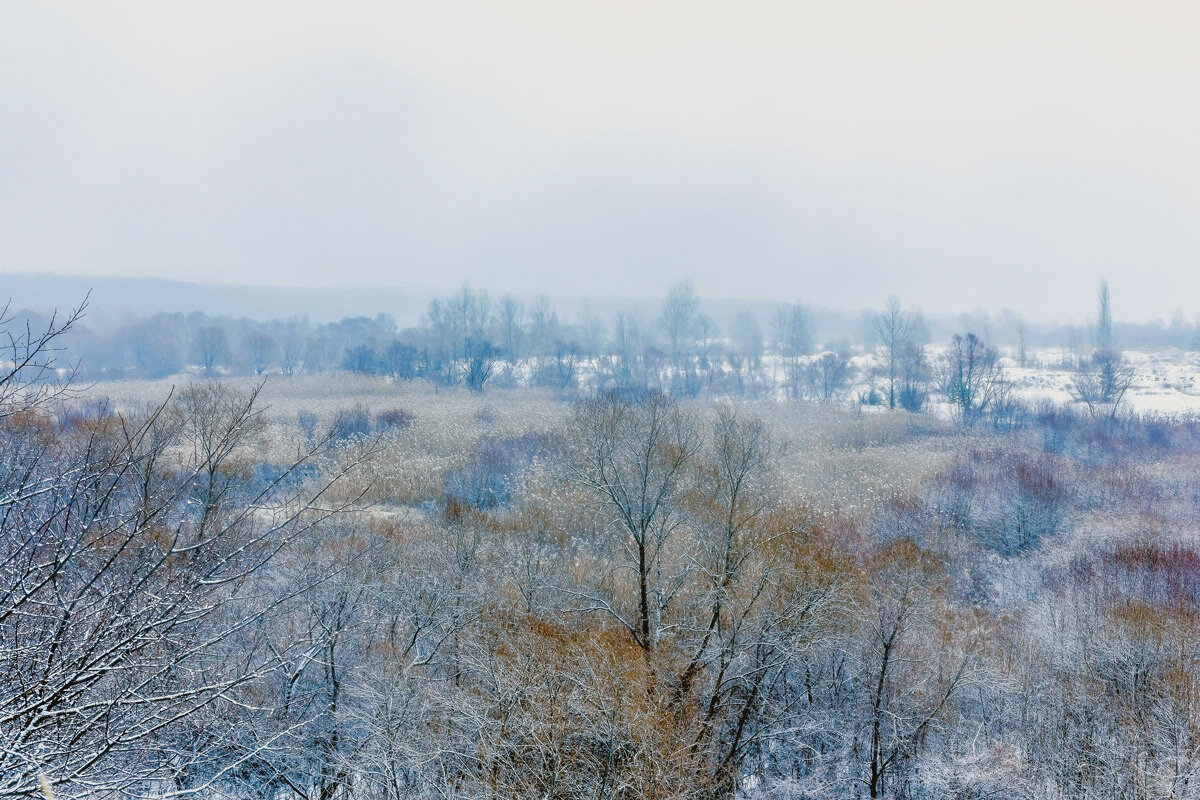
x=682, y=401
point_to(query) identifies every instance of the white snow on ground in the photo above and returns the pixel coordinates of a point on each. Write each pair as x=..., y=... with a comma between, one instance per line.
x=1165, y=381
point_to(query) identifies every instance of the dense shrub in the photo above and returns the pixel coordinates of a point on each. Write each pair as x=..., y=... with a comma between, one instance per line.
x=394, y=419
x=306, y=420
x=354, y=421
x=487, y=479
x=912, y=397
x=1005, y=501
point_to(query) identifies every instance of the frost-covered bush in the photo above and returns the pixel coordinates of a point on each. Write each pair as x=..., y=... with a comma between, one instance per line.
x=354, y=421
x=1005, y=501
x=487, y=479
x=306, y=420
x=394, y=419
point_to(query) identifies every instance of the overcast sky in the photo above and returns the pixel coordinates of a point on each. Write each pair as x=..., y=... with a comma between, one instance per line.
x=960, y=154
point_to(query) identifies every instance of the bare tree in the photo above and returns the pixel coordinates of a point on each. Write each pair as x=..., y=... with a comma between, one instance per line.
x=292, y=337
x=156, y=345
x=828, y=375
x=745, y=357
x=707, y=334
x=732, y=501
x=635, y=363
x=914, y=376
x=971, y=378
x=31, y=372
x=259, y=350
x=905, y=694
x=128, y=554
x=632, y=455
x=456, y=337
x=543, y=326
x=678, y=320
x=892, y=329
x=1101, y=381
x=481, y=358
x=1020, y=333
x=1105, y=342
x=592, y=332
x=793, y=340
x=210, y=347
x=510, y=320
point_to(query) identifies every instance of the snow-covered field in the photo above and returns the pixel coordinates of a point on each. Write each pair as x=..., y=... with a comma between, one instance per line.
x=1165, y=381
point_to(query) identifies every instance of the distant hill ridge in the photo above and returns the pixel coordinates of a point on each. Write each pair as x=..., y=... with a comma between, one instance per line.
x=116, y=297
x=113, y=298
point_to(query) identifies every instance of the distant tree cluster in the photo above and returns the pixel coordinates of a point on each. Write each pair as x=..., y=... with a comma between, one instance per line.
x=163, y=345
x=470, y=339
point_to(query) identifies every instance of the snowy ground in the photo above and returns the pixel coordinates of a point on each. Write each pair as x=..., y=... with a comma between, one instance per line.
x=1165, y=381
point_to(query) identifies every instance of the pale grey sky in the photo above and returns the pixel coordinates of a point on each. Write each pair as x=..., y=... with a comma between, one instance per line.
x=960, y=154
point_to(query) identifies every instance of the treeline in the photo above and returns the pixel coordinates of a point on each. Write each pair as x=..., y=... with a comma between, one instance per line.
x=471, y=339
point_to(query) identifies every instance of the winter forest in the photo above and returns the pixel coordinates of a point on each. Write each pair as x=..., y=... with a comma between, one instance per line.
x=507, y=554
